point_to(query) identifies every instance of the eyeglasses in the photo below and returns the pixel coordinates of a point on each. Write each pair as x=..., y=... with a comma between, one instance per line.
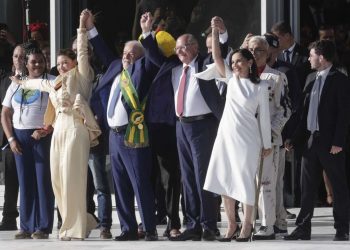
x=257, y=51
x=182, y=47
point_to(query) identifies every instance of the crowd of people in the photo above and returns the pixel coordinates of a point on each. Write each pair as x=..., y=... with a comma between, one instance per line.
x=199, y=127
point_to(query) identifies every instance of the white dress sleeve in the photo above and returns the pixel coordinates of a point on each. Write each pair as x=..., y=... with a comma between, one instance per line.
x=212, y=73
x=264, y=116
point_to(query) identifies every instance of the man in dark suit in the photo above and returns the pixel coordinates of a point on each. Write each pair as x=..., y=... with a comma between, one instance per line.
x=10, y=212
x=322, y=130
x=291, y=51
x=131, y=160
x=198, y=107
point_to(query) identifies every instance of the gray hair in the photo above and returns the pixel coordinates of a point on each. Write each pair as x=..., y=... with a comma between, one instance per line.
x=259, y=39
x=138, y=46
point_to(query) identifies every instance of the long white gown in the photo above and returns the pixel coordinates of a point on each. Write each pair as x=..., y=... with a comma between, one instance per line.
x=241, y=135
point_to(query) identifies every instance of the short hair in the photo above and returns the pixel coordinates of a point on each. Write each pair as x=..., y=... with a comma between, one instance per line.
x=190, y=38
x=326, y=48
x=259, y=39
x=68, y=53
x=282, y=27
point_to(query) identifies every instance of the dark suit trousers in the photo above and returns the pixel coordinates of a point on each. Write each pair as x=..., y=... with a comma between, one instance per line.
x=195, y=141
x=131, y=168
x=164, y=148
x=10, y=212
x=316, y=158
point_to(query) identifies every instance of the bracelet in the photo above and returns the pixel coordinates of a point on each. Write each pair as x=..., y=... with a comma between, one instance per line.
x=11, y=139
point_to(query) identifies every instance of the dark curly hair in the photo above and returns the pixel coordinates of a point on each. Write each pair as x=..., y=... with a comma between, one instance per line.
x=32, y=47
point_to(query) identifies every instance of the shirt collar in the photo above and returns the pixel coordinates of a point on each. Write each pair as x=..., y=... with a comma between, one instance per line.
x=192, y=64
x=291, y=48
x=324, y=73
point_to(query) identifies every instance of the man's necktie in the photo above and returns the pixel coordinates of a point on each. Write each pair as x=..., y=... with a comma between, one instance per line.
x=287, y=55
x=181, y=92
x=113, y=102
x=312, y=117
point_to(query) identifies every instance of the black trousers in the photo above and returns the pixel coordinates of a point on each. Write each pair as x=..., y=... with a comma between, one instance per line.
x=163, y=145
x=315, y=158
x=10, y=211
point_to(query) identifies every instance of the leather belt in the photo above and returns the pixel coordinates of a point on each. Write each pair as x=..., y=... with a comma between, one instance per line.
x=119, y=129
x=188, y=119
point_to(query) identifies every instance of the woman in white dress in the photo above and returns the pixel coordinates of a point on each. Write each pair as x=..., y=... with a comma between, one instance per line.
x=244, y=134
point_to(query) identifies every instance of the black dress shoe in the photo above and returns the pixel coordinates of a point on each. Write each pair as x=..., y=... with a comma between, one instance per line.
x=188, y=234
x=8, y=226
x=151, y=236
x=209, y=235
x=341, y=236
x=127, y=236
x=299, y=233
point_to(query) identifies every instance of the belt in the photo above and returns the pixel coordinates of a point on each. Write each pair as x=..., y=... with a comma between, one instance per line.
x=316, y=134
x=194, y=118
x=119, y=129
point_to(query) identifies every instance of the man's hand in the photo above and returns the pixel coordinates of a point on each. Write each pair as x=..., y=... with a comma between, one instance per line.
x=218, y=22
x=83, y=18
x=146, y=22
x=90, y=21
x=7, y=36
x=335, y=150
x=246, y=41
x=287, y=145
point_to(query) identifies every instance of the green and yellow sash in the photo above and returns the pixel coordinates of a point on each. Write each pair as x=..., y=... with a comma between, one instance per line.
x=136, y=135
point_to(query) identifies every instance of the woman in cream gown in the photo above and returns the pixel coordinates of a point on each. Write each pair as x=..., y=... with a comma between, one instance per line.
x=75, y=130
x=241, y=135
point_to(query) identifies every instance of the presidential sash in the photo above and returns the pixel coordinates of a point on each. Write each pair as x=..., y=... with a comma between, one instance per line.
x=136, y=135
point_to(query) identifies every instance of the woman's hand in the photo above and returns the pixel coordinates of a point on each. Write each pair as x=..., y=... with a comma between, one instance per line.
x=218, y=23
x=16, y=79
x=39, y=133
x=15, y=147
x=266, y=152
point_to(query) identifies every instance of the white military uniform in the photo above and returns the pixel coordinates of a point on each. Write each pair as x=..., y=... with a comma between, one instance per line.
x=279, y=113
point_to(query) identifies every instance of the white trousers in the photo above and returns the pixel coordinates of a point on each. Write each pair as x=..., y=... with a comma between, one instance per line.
x=267, y=195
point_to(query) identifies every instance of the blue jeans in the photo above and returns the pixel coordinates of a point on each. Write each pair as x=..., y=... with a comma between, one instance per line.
x=97, y=164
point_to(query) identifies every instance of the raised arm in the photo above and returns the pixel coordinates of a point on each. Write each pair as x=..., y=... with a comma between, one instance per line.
x=101, y=49
x=84, y=66
x=44, y=85
x=152, y=52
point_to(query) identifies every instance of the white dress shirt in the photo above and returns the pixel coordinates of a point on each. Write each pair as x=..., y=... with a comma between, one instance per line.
x=194, y=103
x=120, y=116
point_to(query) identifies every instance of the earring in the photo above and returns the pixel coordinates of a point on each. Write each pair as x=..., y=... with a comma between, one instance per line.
x=250, y=69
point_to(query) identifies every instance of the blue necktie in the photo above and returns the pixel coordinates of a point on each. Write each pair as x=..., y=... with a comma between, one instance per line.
x=113, y=102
